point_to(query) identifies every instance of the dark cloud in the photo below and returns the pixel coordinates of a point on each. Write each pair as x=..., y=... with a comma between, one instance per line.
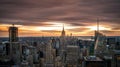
x=77, y=24
x=109, y=33
x=74, y=12
x=25, y=22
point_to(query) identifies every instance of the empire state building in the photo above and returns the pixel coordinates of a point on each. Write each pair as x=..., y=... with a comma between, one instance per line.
x=63, y=32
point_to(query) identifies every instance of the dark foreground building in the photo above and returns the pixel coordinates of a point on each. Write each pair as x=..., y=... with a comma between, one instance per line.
x=92, y=61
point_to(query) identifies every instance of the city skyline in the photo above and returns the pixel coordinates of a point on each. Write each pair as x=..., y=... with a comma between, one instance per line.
x=46, y=18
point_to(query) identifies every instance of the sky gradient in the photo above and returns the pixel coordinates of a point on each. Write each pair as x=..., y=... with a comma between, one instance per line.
x=46, y=17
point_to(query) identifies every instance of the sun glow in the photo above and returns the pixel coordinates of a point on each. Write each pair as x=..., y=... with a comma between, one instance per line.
x=100, y=28
x=55, y=26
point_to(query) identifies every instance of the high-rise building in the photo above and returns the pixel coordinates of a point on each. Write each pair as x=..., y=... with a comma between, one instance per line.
x=72, y=55
x=15, y=52
x=63, y=32
x=13, y=34
x=15, y=47
x=62, y=40
x=63, y=48
x=99, y=41
x=49, y=55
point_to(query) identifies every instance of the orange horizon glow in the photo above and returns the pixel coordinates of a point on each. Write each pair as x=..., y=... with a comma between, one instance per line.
x=54, y=30
x=100, y=28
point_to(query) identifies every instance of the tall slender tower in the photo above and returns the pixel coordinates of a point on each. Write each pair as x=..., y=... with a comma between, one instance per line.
x=63, y=32
x=98, y=24
x=63, y=48
x=97, y=31
x=13, y=34
x=62, y=40
x=97, y=39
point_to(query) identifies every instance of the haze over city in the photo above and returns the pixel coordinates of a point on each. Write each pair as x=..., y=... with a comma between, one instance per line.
x=47, y=17
x=59, y=33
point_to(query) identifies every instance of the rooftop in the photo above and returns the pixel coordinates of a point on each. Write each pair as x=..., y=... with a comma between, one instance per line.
x=92, y=58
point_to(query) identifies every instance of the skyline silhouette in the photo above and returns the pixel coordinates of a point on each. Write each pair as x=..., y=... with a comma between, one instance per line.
x=46, y=17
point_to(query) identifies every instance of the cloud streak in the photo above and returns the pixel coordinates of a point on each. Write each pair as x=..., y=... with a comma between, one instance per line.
x=73, y=12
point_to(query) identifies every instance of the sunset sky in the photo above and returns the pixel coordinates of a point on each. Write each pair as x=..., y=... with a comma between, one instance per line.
x=46, y=17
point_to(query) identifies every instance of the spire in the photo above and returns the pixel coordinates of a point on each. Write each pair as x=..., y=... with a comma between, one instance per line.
x=96, y=37
x=13, y=25
x=63, y=31
x=97, y=24
x=63, y=27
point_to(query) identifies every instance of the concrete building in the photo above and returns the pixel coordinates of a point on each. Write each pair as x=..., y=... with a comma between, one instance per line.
x=49, y=58
x=72, y=56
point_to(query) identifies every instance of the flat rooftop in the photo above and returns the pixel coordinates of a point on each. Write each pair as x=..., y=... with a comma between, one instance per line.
x=72, y=46
x=92, y=58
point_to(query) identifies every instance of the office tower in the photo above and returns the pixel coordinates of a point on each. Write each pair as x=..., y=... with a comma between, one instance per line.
x=16, y=52
x=13, y=34
x=32, y=56
x=99, y=42
x=63, y=47
x=72, y=55
x=15, y=47
x=96, y=37
x=49, y=55
x=62, y=40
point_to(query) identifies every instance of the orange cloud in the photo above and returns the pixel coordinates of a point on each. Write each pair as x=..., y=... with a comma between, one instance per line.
x=55, y=30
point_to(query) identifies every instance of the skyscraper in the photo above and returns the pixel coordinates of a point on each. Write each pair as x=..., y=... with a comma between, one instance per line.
x=13, y=34
x=62, y=40
x=63, y=32
x=15, y=47
x=63, y=47
x=100, y=41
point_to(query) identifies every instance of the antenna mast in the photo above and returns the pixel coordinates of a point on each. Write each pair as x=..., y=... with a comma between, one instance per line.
x=97, y=24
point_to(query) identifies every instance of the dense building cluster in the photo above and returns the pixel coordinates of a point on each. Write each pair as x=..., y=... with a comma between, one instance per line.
x=63, y=51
